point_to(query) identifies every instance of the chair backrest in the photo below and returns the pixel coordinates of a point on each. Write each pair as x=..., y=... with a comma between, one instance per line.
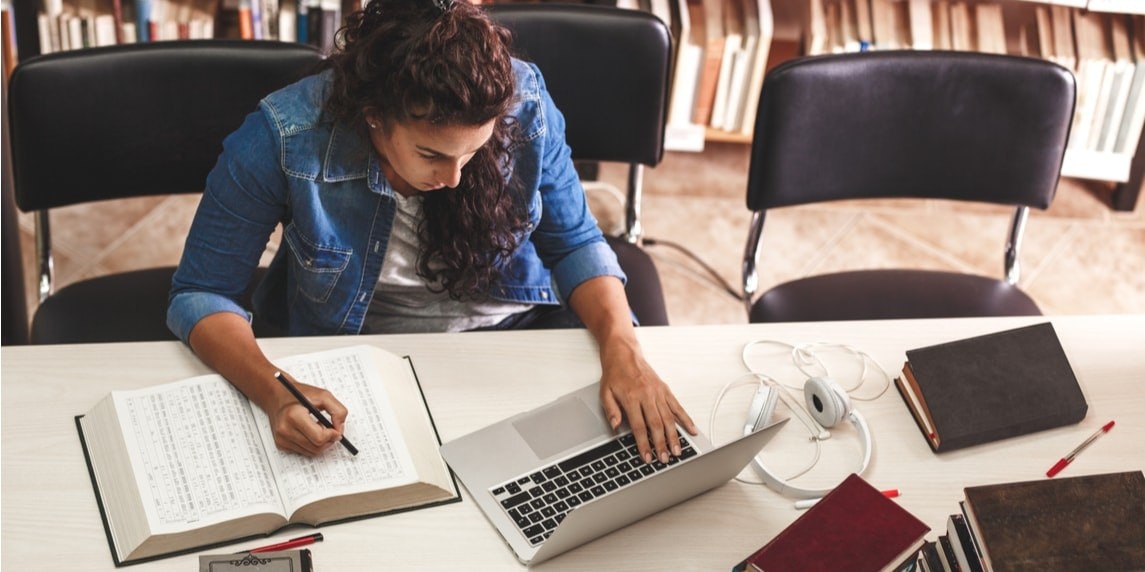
x=607, y=70
x=928, y=124
x=136, y=119
x=133, y=120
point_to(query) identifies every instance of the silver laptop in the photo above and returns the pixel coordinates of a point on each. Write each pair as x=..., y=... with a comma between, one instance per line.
x=556, y=477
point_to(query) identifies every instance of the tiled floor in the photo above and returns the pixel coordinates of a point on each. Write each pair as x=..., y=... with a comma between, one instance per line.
x=1079, y=257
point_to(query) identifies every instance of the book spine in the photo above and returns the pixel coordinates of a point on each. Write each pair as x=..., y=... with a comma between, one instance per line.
x=959, y=533
x=946, y=554
x=117, y=13
x=917, y=415
x=143, y=20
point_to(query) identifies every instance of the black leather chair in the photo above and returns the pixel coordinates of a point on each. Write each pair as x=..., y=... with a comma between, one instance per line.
x=938, y=125
x=607, y=70
x=14, y=304
x=128, y=121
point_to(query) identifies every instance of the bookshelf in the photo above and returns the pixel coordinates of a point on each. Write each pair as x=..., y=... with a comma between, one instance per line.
x=55, y=25
x=717, y=72
x=1101, y=41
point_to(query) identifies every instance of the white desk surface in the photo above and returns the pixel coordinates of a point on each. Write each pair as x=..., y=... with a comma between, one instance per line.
x=50, y=520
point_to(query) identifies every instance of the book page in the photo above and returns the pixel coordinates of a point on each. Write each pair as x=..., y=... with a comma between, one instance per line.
x=383, y=461
x=197, y=458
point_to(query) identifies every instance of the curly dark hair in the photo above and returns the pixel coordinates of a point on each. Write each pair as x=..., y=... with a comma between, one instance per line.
x=443, y=62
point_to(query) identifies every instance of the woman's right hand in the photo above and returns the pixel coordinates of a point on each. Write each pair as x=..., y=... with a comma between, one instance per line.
x=225, y=342
x=296, y=430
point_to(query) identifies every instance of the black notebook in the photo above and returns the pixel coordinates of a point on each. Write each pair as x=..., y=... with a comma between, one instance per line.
x=986, y=388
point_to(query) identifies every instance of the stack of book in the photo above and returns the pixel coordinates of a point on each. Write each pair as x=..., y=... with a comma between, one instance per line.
x=1085, y=523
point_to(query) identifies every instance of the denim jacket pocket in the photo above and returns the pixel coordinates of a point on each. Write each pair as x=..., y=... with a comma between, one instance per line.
x=315, y=268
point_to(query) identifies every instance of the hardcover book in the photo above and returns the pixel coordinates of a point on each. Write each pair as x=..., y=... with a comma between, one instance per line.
x=1084, y=523
x=946, y=554
x=192, y=464
x=854, y=527
x=278, y=561
x=986, y=388
x=962, y=544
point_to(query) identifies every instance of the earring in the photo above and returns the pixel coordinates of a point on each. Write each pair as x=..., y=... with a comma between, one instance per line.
x=373, y=125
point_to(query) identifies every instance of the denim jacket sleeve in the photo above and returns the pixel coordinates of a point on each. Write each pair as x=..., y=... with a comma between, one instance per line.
x=239, y=209
x=567, y=237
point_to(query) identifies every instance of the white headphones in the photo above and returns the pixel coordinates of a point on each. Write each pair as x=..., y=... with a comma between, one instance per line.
x=827, y=404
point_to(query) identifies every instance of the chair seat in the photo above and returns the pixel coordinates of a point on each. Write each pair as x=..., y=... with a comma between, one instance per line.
x=123, y=307
x=891, y=294
x=643, y=289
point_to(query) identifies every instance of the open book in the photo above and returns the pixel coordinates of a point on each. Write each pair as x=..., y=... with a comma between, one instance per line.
x=192, y=464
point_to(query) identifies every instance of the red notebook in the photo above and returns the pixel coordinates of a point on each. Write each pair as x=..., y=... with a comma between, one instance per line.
x=854, y=528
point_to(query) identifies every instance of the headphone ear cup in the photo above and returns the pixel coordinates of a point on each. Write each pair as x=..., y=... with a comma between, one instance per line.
x=827, y=403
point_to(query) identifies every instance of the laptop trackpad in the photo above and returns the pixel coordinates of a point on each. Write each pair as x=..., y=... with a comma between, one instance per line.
x=559, y=427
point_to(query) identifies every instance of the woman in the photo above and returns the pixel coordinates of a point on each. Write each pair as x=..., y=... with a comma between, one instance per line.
x=423, y=184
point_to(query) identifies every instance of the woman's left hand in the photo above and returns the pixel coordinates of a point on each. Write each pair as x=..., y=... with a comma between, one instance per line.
x=629, y=387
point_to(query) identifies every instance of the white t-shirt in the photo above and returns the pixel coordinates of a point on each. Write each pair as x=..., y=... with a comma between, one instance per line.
x=403, y=302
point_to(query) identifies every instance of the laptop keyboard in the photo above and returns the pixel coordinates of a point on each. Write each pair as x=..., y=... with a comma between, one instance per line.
x=538, y=501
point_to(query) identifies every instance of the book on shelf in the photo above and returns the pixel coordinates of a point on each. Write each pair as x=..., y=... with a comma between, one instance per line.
x=855, y=33
x=1094, y=62
x=732, y=63
x=192, y=464
x=886, y=28
x=299, y=560
x=1089, y=522
x=815, y=29
x=864, y=28
x=961, y=31
x=689, y=53
x=708, y=17
x=1133, y=120
x=681, y=133
x=922, y=28
x=1063, y=37
x=729, y=61
x=854, y=527
x=762, y=23
x=940, y=15
x=1121, y=69
x=989, y=28
x=991, y=387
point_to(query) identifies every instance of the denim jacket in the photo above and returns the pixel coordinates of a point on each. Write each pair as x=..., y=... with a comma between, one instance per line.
x=322, y=182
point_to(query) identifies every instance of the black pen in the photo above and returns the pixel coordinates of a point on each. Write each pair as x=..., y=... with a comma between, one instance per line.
x=313, y=410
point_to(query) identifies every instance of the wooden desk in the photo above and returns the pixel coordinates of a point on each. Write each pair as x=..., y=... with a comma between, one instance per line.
x=50, y=520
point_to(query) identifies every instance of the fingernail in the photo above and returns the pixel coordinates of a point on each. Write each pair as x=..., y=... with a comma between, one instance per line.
x=676, y=450
x=647, y=458
x=664, y=457
x=614, y=422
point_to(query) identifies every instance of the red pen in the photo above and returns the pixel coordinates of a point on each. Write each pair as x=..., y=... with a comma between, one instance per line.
x=1057, y=468
x=292, y=543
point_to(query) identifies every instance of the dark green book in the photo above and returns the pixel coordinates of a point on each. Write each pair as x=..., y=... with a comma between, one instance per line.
x=992, y=387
